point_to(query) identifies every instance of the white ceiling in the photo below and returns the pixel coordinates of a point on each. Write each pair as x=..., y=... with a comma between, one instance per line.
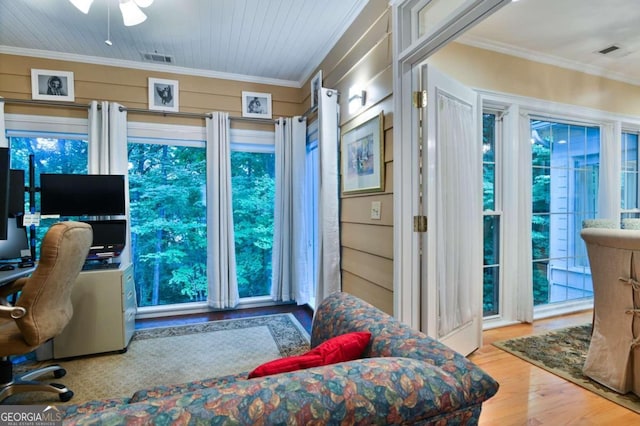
x=270, y=41
x=568, y=33
x=283, y=41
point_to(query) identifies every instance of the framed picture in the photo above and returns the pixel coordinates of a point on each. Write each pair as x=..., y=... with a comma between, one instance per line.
x=52, y=85
x=163, y=94
x=362, y=157
x=316, y=84
x=256, y=105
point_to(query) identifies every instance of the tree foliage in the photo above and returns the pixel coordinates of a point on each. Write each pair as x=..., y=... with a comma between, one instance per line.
x=168, y=223
x=167, y=192
x=253, y=206
x=541, y=200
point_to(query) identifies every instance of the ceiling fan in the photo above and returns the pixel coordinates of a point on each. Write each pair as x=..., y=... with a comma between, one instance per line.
x=131, y=12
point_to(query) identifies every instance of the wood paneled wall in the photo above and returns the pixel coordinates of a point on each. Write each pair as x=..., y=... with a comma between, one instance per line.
x=363, y=57
x=130, y=88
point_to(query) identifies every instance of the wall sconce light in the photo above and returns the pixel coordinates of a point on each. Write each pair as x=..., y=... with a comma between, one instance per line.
x=357, y=99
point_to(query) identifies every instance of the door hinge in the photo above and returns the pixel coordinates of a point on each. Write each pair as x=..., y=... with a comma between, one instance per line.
x=419, y=224
x=420, y=99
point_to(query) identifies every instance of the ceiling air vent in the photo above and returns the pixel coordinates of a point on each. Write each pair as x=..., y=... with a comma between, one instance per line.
x=157, y=57
x=609, y=49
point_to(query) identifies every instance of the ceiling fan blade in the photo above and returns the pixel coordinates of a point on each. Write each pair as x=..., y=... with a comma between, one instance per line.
x=131, y=13
x=83, y=5
x=143, y=3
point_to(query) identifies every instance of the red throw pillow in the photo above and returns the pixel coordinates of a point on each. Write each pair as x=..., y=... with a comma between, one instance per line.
x=342, y=348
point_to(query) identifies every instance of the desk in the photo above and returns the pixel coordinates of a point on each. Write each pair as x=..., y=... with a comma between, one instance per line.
x=7, y=277
x=104, y=313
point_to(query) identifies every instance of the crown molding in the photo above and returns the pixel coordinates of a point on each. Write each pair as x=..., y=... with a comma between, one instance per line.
x=533, y=56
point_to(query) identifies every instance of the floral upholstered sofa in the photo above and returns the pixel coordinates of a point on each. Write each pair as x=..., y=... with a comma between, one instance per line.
x=404, y=377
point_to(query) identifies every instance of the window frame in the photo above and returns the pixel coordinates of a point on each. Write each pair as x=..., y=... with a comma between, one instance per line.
x=195, y=136
x=635, y=211
x=513, y=306
x=497, y=210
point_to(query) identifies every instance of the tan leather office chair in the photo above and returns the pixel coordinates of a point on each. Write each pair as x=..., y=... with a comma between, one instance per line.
x=613, y=358
x=43, y=307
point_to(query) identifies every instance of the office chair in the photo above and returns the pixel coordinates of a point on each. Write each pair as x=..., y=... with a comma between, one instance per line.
x=43, y=307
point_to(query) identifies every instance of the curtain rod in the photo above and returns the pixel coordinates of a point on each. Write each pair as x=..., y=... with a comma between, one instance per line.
x=314, y=108
x=193, y=115
x=133, y=110
x=307, y=113
x=44, y=103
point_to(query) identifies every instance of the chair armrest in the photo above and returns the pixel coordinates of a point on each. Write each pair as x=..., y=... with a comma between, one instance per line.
x=12, y=288
x=12, y=312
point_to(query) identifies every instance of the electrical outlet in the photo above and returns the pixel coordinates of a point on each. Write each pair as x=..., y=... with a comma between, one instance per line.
x=375, y=210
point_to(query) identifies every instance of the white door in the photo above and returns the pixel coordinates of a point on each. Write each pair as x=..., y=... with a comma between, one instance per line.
x=452, y=185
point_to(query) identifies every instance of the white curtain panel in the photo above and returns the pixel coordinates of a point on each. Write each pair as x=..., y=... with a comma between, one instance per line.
x=281, y=261
x=108, y=150
x=524, y=308
x=4, y=142
x=328, y=218
x=289, y=234
x=117, y=161
x=610, y=166
x=221, y=260
x=303, y=288
x=459, y=213
x=98, y=137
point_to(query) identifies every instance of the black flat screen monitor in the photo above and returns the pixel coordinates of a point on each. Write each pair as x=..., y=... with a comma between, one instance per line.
x=4, y=191
x=82, y=195
x=109, y=238
x=16, y=241
x=16, y=193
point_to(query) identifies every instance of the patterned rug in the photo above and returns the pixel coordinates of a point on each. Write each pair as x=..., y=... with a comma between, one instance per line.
x=169, y=355
x=563, y=353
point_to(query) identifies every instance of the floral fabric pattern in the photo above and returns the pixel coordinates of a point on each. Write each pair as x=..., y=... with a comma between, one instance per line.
x=342, y=313
x=405, y=378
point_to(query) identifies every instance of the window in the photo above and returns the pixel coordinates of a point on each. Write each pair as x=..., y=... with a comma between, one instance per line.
x=168, y=220
x=57, y=146
x=253, y=187
x=167, y=185
x=629, y=178
x=491, y=215
x=565, y=171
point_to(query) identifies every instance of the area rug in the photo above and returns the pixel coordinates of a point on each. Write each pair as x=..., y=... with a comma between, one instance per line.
x=563, y=353
x=170, y=355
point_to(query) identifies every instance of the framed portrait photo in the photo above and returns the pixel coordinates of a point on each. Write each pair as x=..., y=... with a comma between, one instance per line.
x=316, y=84
x=52, y=85
x=163, y=94
x=362, y=157
x=256, y=105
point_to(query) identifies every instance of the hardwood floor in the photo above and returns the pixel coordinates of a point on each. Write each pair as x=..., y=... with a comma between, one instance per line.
x=303, y=314
x=529, y=395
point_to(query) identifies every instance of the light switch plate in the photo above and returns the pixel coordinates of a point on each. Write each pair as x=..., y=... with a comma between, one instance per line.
x=375, y=210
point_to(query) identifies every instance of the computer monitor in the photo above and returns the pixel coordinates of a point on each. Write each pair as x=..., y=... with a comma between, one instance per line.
x=82, y=195
x=109, y=238
x=16, y=193
x=4, y=191
x=17, y=241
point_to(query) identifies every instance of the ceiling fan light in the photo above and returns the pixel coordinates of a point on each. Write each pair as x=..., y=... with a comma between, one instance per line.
x=143, y=3
x=82, y=5
x=131, y=13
